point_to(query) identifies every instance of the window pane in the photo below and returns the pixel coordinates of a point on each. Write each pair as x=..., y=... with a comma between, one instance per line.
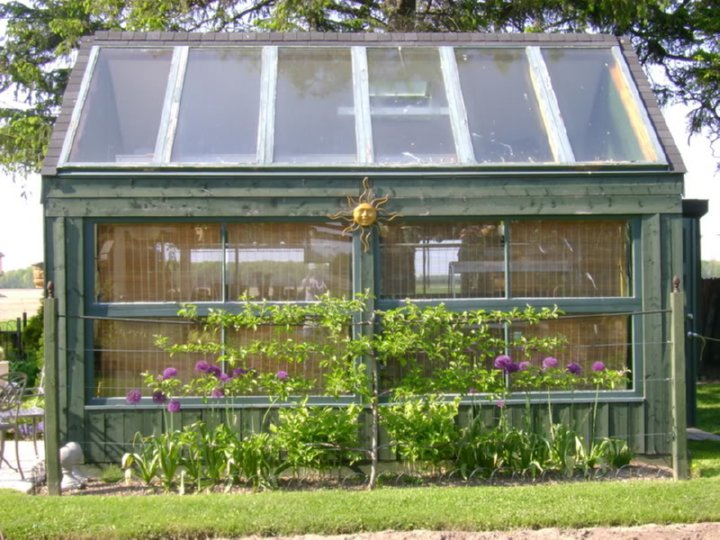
x=605, y=338
x=178, y=262
x=121, y=116
x=124, y=350
x=596, y=106
x=502, y=110
x=570, y=258
x=288, y=261
x=410, y=117
x=219, y=107
x=315, y=120
x=442, y=260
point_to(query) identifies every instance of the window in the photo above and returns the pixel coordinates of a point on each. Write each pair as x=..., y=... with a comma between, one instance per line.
x=122, y=111
x=539, y=259
x=583, y=266
x=315, y=120
x=408, y=106
x=601, y=118
x=143, y=267
x=218, y=118
x=502, y=109
x=342, y=105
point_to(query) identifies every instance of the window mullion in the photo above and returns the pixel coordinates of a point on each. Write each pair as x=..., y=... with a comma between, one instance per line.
x=549, y=108
x=456, y=104
x=171, y=106
x=268, y=94
x=361, y=101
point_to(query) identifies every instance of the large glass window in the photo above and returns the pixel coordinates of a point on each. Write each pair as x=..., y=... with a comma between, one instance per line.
x=599, y=112
x=442, y=260
x=569, y=258
x=502, y=108
x=543, y=259
x=408, y=106
x=176, y=262
x=218, y=118
x=314, y=119
x=287, y=261
x=123, y=107
x=190, y=262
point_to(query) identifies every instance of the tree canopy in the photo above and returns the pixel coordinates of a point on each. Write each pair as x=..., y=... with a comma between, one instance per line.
x=679, y=39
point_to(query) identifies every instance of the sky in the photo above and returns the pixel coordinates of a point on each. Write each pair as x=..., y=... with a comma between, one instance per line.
x=21, y=234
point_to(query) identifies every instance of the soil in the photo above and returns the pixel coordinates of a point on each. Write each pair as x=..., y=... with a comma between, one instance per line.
x=637, y=470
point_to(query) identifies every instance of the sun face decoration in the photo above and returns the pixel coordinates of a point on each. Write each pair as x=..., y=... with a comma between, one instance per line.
x=363, y=213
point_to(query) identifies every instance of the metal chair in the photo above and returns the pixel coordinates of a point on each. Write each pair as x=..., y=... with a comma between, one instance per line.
x=12, y=390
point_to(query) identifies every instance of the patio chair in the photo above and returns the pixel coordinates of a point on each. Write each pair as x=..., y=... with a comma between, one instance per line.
x=12, y=389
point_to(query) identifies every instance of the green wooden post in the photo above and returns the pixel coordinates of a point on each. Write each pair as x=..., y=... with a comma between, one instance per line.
x=677, y=388
x=52, y=420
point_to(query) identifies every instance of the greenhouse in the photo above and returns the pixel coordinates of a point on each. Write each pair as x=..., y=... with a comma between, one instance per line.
x=476, y=171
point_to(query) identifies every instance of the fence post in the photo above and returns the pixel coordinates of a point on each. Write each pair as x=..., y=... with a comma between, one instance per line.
x=52, y=424
x=678, y=397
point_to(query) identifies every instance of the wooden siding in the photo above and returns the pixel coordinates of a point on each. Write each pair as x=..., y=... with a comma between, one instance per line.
x=110, y=433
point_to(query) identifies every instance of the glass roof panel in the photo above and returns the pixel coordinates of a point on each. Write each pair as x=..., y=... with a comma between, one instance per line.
x=597, y=108
x=314, y=119
x=503, y=112
x=218, y=118
x=122, y=111
x=408, y=106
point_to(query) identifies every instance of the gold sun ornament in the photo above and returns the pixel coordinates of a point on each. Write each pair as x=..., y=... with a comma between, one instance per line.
x=363, y=213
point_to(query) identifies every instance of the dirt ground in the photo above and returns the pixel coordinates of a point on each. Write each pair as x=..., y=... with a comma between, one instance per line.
x=693, y=531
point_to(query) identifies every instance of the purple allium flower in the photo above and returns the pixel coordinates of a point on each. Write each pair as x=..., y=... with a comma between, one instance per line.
x=218, y=392
x=133, y=396
x=472, y=390
x=159, y=397
x=500, y=403
x=202, y=366
x=522, y=366
x=173, y=406
x=598, y=366
x=574, y=368
x=238, y=371
x=169, y=373
x=214, y=370
x=549, y=362
x=224, y=377
x=503, y=362
x=282, y=375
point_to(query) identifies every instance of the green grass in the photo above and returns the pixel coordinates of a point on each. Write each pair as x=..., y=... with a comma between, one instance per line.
x=335, y=512
x=705, y=455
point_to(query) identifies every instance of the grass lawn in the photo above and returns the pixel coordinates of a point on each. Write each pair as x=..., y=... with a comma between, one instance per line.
x=571, y=505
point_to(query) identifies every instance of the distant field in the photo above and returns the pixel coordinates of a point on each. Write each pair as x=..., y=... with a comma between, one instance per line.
x=13, y=302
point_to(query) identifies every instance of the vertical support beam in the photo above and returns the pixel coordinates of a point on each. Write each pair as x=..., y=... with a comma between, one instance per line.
x=549, y=107
x=171, y=106
x=52, y=419
x=268, y=96
x=677, y=388
x=456, y=104
x=361, y=95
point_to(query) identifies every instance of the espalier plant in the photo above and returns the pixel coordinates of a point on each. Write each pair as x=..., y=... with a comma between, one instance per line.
x=411, y=374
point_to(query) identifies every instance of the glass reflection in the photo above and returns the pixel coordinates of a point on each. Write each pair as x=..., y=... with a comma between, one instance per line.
x=314, y=119
x=600, y=115
x=408, y=105
x=121, y=115
x=218, y=118
x=502, y=110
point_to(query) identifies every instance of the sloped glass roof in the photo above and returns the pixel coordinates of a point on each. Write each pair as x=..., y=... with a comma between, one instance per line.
x=384, y=106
